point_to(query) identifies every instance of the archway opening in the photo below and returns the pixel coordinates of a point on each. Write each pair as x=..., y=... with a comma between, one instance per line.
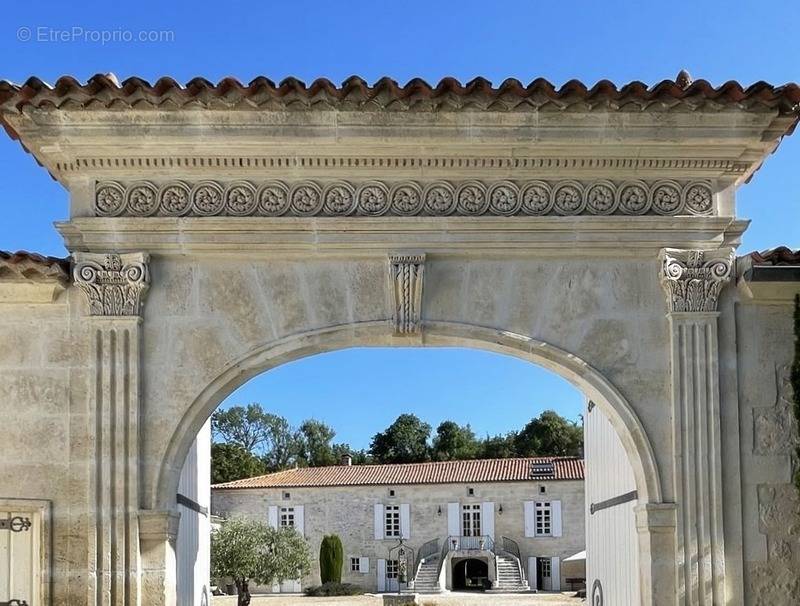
x=471, y=574
x=524, y=561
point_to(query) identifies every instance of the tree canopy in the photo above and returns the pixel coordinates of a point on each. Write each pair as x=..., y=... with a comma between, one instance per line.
x=255, y=442
x=404, y=441
x=250, y=550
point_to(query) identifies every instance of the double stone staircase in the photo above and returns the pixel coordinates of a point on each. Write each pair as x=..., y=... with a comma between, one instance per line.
x=505, y=554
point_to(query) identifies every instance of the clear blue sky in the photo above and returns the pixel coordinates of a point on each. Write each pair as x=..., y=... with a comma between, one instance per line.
x=589, y=40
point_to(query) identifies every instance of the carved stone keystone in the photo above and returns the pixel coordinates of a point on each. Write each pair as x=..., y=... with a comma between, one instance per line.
x=405, y=282
x=114, y=284
x=693, y=279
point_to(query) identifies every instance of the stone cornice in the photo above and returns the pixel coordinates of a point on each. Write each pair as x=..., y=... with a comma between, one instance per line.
x=319, y=165
x=114, y=284
x=618, y=236
x=693, y=279
x=306, y=198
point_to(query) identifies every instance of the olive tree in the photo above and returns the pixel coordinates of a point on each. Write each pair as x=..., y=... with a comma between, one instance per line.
x=249, y=550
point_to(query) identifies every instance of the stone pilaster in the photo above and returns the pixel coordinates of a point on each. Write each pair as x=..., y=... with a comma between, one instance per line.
x=693, y=280
x=114, y=286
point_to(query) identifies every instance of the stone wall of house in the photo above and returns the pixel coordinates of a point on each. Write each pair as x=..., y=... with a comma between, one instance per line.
x=771, y=507
x=349, y=512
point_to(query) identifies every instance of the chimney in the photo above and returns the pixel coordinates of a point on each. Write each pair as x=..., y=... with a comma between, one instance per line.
x=346, y=460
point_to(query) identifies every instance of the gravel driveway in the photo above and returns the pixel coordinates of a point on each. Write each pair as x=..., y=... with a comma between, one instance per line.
x=450, y=599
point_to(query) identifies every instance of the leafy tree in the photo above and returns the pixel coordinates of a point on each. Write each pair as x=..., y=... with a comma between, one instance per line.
x=314, y=444
x=454, y=442
x=404, y=441
x=263, y=434
x=549, y=434
x=232, y=462
x=250, y=550
x=331, y=559
x=498, y=447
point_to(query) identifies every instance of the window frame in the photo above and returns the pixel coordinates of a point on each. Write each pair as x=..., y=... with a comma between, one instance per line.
x=392, y=569
x=355, y=564
x=391, y=522
x=286, y=514
x=471, y=520
x=543, y=518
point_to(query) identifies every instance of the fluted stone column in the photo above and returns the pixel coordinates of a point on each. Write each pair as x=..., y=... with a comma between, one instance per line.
x=693, y=280
x=115, y=286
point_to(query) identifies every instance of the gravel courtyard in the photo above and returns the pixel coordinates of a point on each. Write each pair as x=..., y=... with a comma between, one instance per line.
x=451, y=599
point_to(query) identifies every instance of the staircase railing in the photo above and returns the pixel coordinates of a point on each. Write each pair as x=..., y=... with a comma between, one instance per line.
x=427, y=550
x=506, y=546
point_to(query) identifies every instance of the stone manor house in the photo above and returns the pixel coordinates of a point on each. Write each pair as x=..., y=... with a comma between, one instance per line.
x=504, y=524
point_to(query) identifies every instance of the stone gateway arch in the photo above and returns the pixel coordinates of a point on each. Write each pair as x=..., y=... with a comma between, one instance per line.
x=219, y=230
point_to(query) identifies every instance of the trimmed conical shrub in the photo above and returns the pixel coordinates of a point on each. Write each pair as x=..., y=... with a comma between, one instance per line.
x=331, y=559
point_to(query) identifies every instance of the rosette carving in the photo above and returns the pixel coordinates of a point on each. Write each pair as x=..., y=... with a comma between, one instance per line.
x=402, y=198
x=109, y=199
x=439, y=198
x=114, y=284
x=240, y=199
x=373, y=198
x=306, y=198
x=693, y=279
x=698, y=198
x=339, y=198
x=207, y=198
x=273, y=198
x=141, y=199
x=667, y=198
x=471, y=198
x=175, y=199
x=504, y=198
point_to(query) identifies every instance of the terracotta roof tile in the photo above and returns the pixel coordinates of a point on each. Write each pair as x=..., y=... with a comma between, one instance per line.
x=31, y=266
x=105, y=92
x=484, y=470
x=781, y=255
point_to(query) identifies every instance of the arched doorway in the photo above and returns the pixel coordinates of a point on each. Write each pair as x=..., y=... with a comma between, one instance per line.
x=471, y=574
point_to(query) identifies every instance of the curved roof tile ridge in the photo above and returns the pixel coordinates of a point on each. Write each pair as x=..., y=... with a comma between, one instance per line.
x=780, y=255
x=34, y=266
x=448, y=92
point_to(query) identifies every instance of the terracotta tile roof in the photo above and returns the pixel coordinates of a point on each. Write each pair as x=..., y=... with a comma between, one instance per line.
x=485, y=470
x=30, y=266
x=105, y=92
x=781, y=255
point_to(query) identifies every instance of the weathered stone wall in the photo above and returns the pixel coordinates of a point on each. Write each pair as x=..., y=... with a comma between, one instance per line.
x=348, y=512
x=45, y=441
x=771, y=507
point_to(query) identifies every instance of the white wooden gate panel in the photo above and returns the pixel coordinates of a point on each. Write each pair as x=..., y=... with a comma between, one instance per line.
x=20, y=560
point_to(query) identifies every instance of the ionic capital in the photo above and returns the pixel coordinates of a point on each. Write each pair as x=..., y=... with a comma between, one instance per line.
x=693, y=279
x=114, y=284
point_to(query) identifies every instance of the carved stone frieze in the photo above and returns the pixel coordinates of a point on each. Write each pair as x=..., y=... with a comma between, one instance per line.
x=114, y=284
x=693, y=279
x=405, y=281
x=305, y=198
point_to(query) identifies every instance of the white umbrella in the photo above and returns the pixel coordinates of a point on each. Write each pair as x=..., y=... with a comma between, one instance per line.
x=581, y=555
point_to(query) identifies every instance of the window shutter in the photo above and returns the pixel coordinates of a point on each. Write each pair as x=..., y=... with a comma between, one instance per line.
x=532, y=573
x=299, y=519
x=405, y=521
x=555, y=573
x=272, y=516
x=487, y=519
x=556, y=513
x=363, y=565
x=530, y=519
x=453, y=520
x=381, y=574
x=379, y=522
